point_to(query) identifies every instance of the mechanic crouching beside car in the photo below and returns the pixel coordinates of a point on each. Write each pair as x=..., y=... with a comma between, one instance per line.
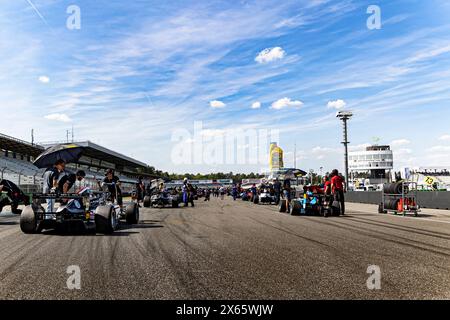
x=66, y=182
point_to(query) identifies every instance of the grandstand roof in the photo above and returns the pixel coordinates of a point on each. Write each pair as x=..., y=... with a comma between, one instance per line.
x=20, y=146
x=98, y=152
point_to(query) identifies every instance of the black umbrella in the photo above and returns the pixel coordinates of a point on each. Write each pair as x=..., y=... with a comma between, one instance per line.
x=291, y=173
x=67, y=152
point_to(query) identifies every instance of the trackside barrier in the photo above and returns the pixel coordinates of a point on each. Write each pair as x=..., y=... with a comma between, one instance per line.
x=425, y=199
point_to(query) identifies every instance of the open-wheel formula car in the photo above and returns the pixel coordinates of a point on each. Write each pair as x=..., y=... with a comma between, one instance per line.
x=314, y=202
x=162, y=199
x=91, y=209
x=265, y=197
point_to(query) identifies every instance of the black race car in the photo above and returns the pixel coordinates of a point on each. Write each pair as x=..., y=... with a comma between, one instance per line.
x=162, y=199
x=91, y=209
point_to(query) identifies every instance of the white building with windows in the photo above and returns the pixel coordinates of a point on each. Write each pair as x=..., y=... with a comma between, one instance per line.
x=375, y=163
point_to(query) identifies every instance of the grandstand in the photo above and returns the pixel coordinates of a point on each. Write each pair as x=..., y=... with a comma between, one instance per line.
x=440, y=176
x=17, y=157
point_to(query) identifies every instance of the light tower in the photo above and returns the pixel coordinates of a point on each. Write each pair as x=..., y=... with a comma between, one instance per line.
x=344, y=116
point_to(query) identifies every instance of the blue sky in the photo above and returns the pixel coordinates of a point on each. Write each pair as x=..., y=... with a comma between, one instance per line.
x=138, y=70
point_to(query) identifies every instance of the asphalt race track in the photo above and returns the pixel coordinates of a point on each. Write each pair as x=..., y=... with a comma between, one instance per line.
x=232, y=250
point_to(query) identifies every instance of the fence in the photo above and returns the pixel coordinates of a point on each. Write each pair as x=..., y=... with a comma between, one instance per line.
x=426, y=199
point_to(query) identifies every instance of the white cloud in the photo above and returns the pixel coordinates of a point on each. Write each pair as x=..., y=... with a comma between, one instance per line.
x=336, y=104
x=399, y=142
x=213, y=132
x=359, y=147
x=445, y=137
x=323, y=152
x=256, y=105
x=402, y=152
x=216, y=104
x=58, y=117
x=44, y=79
x=286, y=102
x=270, y=54
x=439, y=149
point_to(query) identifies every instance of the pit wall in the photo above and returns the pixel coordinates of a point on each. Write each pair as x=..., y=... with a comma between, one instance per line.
x=426, y=199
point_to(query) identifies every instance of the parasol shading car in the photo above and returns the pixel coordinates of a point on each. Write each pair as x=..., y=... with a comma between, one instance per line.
x=69, y=152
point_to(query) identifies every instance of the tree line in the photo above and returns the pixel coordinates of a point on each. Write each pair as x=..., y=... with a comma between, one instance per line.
x=236, y=177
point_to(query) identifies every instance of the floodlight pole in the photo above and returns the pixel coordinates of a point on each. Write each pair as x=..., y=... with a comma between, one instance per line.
x=344, y=116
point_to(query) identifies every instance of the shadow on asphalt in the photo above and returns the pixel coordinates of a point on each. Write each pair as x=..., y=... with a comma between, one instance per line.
x=84, y=233
x=8, y=223
x=121, y=232
x=141, y=226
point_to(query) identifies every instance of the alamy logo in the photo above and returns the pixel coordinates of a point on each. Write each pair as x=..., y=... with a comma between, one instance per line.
x=74, y=280
x=374, y=280
x=73, y=22
x=374, y=21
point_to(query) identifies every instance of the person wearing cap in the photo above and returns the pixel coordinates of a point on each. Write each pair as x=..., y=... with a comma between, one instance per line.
x=113, y=184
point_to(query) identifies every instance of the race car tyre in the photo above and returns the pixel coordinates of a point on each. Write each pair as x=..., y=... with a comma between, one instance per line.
x=174, y=204
x=28, y=220
x=295, y=208
x=104, y=220
x=147, y=201
x=282, y=206
x=381, y=208
x=256, y=200
x=132, y=214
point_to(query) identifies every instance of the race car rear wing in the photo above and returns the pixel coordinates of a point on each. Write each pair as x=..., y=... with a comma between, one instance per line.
x=56, y=196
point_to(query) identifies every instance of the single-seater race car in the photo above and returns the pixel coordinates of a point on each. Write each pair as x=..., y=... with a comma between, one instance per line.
x=162, y=199
x=265, y=197
x=313, y=202
x=91, y=209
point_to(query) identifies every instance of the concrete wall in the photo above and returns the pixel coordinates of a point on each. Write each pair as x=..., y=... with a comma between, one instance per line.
x=426, y=199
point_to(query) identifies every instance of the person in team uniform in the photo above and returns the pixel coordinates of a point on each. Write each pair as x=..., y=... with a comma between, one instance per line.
x=14, y=196
x=113, y=183
x=338, y=188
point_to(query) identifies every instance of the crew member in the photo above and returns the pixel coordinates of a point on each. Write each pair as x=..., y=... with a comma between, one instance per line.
x=140, y=190
x=254, y=192
x=277, y=190
x=113, y=183
x=287, y=192
x=66, y=182
x=326, y=185
x=14, y=196
x=338, y=188
x=188, y=193
x=234, y=192
x=50, y=182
